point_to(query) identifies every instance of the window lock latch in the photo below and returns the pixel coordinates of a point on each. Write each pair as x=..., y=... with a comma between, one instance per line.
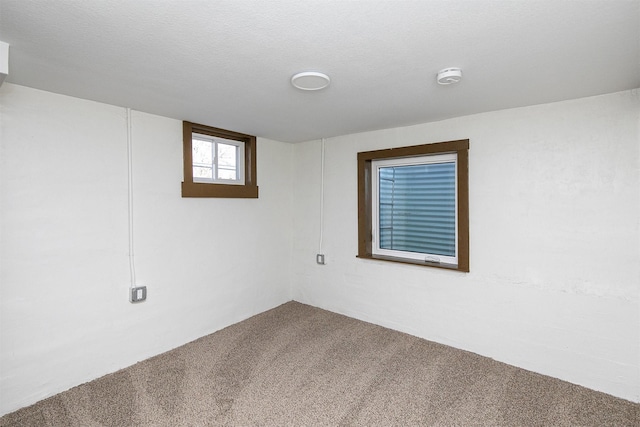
x=432, y=259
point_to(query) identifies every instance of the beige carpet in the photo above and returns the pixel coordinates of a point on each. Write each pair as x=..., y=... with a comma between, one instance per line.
x=301, y=366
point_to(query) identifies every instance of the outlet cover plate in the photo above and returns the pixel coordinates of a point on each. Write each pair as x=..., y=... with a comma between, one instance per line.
x=138, y=294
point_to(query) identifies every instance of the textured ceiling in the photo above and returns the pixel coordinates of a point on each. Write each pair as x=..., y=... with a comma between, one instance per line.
x=228, y=63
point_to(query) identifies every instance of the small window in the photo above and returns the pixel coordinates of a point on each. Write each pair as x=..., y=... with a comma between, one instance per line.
x=218, y=163
x=413, y=205
x=217, y=160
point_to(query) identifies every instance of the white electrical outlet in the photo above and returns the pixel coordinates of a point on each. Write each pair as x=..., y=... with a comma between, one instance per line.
x=138, y=294
x=320, y=259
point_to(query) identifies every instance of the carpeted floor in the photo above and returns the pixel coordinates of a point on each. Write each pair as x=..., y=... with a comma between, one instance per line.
x=301, y=366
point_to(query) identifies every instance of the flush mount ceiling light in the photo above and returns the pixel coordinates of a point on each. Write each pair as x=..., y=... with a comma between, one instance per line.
x=310, y=80
x=449, y=76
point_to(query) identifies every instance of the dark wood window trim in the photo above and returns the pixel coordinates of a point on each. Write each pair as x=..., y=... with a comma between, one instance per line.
x=461, y=147
x=198, y=189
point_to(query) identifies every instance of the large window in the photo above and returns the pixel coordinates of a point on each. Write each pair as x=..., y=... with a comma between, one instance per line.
x=218, y=163
x=413, y=205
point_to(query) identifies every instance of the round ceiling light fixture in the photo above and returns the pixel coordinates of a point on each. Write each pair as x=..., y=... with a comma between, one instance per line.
x=449, y=76
x=310, y=80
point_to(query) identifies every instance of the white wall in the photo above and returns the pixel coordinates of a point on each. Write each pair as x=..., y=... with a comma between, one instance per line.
x=554, y=241
x=64, y=269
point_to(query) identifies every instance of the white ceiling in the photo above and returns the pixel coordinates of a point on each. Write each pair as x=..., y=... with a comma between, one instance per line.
x=227, y=63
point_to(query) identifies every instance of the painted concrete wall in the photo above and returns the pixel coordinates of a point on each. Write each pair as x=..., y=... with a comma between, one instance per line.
x=65, y=317
x=554, y=241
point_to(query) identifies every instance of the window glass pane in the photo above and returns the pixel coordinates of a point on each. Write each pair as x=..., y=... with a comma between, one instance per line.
x=202, y=172
x=227, y=155
x=202, y=152
x=417, y=208
x=227, y=174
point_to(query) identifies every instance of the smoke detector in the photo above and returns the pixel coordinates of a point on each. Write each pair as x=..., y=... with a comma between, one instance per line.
x=449, y=76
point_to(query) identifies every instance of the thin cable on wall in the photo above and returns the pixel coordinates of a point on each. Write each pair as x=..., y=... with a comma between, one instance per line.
x=321, y=195
x=132, y=268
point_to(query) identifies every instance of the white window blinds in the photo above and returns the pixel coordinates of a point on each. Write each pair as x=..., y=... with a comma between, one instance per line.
x=416, y=206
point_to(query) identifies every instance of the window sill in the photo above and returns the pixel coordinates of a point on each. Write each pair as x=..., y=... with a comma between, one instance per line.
x=196, y=189
x=414, y=262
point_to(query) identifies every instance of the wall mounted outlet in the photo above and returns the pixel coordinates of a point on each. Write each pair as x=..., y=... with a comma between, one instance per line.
x=320, y=259
x=138, y=294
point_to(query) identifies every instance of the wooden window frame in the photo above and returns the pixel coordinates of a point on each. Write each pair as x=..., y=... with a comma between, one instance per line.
x=365, y=220
x=204, y=189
